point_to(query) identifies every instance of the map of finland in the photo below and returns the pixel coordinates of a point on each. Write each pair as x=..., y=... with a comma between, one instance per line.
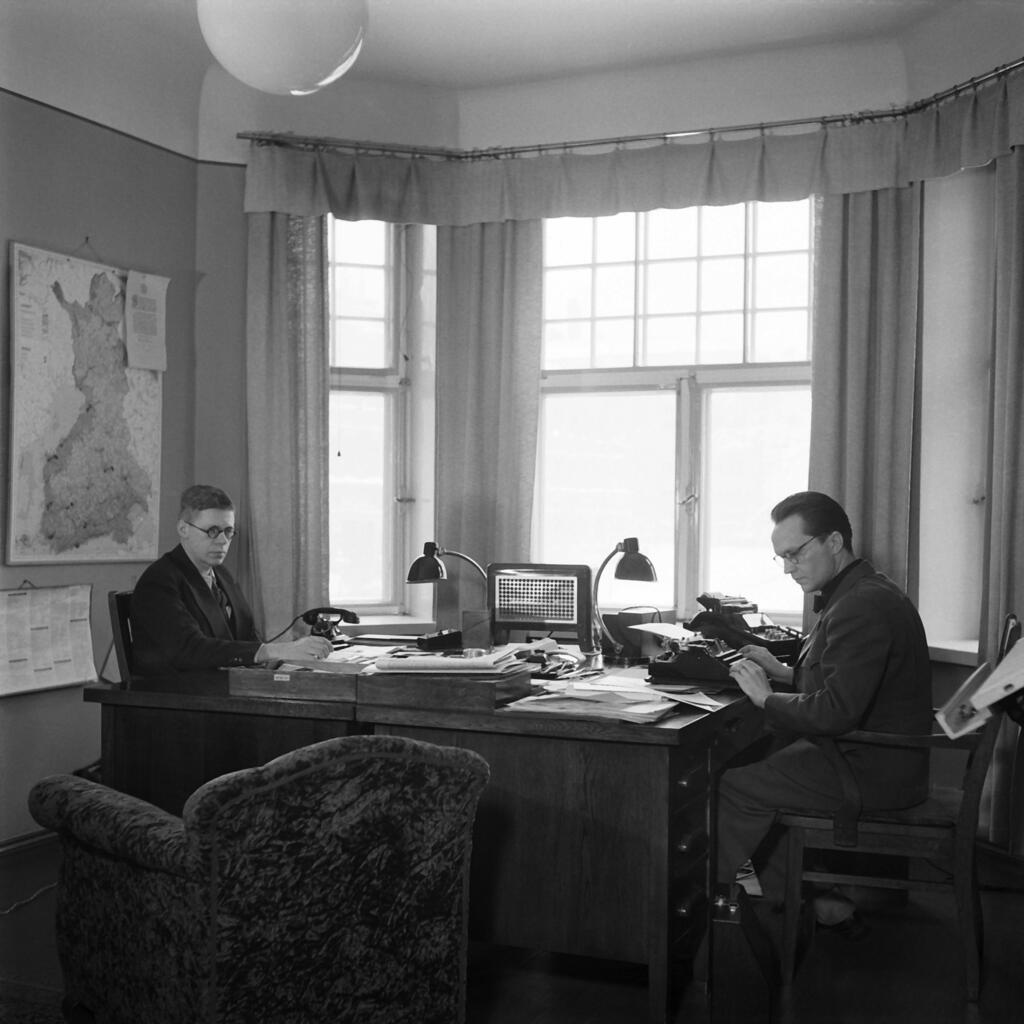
x=85, y=460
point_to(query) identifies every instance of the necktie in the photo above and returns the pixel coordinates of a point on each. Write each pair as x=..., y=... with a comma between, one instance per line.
x=222, y=599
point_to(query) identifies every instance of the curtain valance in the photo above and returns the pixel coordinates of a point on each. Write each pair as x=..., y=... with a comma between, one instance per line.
x=931, y=140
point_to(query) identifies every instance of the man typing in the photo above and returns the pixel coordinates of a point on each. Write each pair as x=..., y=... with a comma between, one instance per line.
x=188, y=613
x=865, y=665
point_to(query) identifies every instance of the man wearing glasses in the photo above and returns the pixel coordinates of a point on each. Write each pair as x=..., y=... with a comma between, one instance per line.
x=188, y=612
x=864, y=665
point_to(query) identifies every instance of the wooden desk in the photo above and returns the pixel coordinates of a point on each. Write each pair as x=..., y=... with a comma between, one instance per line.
x=161, y=745
x=591, y=837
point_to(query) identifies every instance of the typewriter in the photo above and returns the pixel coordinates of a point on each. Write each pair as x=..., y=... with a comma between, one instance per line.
x=725, y=625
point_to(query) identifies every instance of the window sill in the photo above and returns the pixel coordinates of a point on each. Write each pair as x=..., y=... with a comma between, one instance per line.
x=955, y=652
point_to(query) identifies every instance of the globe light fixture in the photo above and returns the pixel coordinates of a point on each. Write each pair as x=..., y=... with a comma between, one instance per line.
x=286, y=47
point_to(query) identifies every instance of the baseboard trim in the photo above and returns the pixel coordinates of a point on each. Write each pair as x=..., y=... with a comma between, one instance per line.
x=28, y=841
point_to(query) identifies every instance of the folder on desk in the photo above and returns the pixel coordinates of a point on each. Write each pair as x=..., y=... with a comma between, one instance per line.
x=450, y=663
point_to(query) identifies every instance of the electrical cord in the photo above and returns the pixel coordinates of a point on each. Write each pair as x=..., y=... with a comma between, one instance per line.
x=283, y=631
x=23, y=903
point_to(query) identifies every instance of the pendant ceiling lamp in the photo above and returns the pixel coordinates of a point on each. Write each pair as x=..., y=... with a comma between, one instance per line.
x=288, y=47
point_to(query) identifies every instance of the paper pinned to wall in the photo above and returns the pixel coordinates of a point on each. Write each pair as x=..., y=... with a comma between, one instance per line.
x=45, y=638
x=145, y=326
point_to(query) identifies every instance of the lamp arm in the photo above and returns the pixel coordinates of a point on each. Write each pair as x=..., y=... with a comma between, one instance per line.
x=604, y=632
x=458, y=554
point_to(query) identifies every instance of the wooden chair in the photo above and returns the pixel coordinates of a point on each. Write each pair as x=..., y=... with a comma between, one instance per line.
x=119, y=605
x=941, y=831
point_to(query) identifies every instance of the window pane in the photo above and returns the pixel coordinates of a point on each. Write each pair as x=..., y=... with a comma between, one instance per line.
x=360, y=344
x=671, y=233
x=757, y=450
x=672, y=287
x=614, y=291
x=361, y=494
x=359, y=241
x=782, y=226
x=615, y=238
x=567, y=345
x=567, y=293
x=604, y=475
x=360, y=291
x=721, y=284
x=721, y=338
x=568, y=240
x=670, y=341
x=723, y=230
x=781, y=281
x=613, y=343
x=780, y=337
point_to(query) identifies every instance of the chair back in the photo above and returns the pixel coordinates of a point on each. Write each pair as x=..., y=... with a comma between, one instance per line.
x=338, y=875
x=119, y=605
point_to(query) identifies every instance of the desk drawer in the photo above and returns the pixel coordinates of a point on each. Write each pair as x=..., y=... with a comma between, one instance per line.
x=740, y=729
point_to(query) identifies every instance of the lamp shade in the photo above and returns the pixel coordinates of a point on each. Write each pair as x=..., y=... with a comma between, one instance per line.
x=634, y=565
x=288, y=47
x=428, y=568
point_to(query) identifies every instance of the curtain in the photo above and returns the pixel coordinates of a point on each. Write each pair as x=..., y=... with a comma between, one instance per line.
x=1004, y=556
x=286, y=416
x=938, y=138
x=865, y=370
x=488, y=398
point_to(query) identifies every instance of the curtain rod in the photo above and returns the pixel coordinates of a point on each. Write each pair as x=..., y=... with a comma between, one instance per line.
x=499, y=152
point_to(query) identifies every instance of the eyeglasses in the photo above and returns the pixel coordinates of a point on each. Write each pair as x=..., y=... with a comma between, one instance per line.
x=794, y=557
x=213, y=532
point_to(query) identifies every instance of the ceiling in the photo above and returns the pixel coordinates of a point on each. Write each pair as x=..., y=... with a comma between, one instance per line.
x=481, y=43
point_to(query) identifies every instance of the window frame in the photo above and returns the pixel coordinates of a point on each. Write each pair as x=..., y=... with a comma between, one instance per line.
x=408, y=383
x=692, y=383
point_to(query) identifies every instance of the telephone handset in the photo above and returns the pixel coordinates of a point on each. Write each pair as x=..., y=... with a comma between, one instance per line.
x=327, y=622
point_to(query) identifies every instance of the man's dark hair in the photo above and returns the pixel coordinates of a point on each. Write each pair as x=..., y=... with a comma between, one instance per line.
x=820, y=514
x=199, y=497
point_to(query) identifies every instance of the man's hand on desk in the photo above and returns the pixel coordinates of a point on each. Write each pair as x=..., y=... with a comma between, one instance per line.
x=773, y=668
x=306, y=647
x=752, y=680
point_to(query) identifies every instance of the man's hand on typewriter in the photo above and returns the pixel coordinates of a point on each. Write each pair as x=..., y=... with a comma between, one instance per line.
x=773, y=668
x=752, y=680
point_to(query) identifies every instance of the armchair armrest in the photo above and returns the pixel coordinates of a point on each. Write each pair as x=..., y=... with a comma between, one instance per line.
x=112, y=822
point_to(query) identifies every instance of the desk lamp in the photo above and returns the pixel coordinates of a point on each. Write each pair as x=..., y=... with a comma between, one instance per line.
x=632, y=566
x=429, y=568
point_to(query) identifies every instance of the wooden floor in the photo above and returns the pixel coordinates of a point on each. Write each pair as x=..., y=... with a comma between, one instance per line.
x=905, y=971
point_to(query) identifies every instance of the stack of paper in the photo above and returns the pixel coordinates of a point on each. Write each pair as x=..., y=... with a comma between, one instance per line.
x=450, y=662
x=620, y=697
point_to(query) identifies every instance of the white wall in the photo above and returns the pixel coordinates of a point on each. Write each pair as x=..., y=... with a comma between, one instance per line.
x=148, y=92
x=769, y=86
x=957, y=267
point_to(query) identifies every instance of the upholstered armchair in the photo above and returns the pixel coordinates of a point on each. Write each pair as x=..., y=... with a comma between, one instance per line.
x=329, y=885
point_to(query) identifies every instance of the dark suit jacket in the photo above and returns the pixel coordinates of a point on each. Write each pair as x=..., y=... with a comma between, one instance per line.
x=865, y=665
x=177, y=624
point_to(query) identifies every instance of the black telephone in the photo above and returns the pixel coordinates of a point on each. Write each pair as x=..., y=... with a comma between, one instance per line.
x=328, y=621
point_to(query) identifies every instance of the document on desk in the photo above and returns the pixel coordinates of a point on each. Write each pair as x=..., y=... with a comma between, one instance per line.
x=450, y=663
x=630, y=684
